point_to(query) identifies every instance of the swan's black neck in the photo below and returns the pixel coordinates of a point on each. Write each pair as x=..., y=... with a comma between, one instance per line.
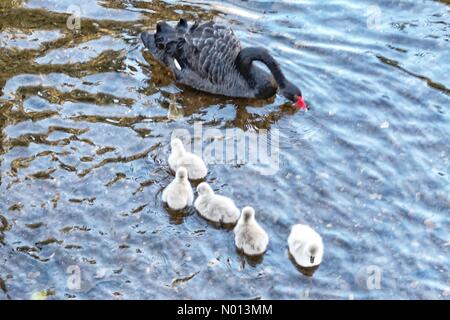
x=248, y=55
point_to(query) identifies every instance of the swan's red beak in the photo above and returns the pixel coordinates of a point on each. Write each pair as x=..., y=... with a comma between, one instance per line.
x=301, y=103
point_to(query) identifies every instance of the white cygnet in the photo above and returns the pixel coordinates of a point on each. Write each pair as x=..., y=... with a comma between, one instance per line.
x=305, y=246
x=178, y=194
x=179, y=157
x=248, y=234
x=214, y=207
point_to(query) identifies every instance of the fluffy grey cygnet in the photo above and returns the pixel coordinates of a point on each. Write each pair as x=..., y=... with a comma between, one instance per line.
x=305, y=246
x=249, y=236
x=179, y=157
x=178, y=194
x=215, y=207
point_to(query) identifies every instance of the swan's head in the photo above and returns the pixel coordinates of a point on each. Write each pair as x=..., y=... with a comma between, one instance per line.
x=182, y=173
x=248, y=213
x=204, y=189
x=293, y=93
x=312, y=251
x=177, y=145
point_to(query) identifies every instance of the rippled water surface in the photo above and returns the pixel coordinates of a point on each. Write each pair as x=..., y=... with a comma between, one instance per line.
x=86, y=116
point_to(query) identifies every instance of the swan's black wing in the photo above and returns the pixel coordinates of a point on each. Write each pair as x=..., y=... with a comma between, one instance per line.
x=210, y=50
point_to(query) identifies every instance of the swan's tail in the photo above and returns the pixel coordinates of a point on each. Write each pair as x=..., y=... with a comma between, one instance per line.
x=149, y=41
x=166, y=41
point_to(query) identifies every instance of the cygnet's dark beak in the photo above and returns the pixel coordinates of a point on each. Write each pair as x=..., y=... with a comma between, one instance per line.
x=311, y=259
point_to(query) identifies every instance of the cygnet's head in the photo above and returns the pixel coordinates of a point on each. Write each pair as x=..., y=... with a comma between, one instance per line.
x=312, y=251
x=248, y=213
x=204, y=189
x=176, y=145
x=182, y=173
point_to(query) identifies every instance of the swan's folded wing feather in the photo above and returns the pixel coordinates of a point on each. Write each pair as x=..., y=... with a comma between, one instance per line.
x=210, y=50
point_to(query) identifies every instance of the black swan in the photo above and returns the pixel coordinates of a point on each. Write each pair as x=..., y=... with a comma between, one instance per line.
x=208, y=57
